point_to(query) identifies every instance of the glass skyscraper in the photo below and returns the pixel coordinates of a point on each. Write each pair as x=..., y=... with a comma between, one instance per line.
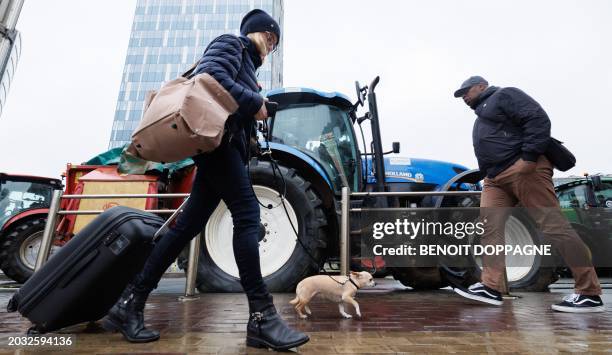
x=168, y=36
x=8, y=68
x=10, y=45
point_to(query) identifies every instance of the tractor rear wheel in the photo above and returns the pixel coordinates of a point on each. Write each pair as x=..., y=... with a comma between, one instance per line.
x=20, y=249
x=283, y=260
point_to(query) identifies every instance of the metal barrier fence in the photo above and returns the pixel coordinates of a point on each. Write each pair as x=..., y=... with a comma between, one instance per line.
x=346, y=211
x=345, y=256
x=54, y=212
x=194, y=247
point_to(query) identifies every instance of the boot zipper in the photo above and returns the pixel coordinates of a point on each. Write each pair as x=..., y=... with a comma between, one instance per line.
x=130, y=297
x=257, y=316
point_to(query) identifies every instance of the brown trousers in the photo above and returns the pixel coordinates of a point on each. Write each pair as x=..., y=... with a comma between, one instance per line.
x=535, y=192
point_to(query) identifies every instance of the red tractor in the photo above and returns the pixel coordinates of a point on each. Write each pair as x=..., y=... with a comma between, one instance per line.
x=24, y=204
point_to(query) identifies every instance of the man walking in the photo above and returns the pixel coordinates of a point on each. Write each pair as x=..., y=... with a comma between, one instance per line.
x=510, y=137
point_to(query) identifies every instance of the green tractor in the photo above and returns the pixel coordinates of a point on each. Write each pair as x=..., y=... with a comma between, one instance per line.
x=587, y=204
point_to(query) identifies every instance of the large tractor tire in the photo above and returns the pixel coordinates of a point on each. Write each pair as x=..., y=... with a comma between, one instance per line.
x=20, y=245
x=284, y=262
x=530, y=275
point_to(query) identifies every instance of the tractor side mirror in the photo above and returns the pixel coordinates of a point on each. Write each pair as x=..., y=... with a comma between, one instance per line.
x=395, y=150
x=396, y=147
x=360, y=94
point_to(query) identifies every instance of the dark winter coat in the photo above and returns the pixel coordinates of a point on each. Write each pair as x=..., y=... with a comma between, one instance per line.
x=232, y=61
x=510, y=125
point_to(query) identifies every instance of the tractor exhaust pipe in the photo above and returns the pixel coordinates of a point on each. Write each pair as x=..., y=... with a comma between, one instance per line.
x=378, y=156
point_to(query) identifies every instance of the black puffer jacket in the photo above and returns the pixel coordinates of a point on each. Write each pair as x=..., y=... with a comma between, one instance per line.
x=232, y=61
x=510, y=125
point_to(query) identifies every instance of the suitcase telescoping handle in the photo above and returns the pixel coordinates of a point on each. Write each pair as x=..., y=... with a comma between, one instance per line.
x=169, y=220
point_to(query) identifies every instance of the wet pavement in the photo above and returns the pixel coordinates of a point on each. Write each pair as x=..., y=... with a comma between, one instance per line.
x=395, y=320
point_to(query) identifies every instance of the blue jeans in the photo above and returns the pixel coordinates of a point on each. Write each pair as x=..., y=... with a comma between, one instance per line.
x=221, y=175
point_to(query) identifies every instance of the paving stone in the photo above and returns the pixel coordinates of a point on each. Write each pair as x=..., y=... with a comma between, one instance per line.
x=395, y=320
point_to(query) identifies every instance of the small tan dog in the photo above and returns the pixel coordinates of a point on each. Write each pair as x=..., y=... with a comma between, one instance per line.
x=339, y=289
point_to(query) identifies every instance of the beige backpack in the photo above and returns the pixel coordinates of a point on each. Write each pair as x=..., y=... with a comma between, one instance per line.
x=184, y=118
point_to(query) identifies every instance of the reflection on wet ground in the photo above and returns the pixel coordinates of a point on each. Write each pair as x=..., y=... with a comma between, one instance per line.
x=395, y=319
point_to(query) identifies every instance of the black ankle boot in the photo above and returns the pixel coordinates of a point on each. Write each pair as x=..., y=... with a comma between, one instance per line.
x=126, y=316
x=266, y=329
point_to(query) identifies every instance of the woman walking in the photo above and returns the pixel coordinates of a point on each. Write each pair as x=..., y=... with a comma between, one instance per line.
x=221, y=175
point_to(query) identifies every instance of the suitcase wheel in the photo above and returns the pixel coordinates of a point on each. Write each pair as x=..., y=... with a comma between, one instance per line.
x=32, y=331
x=12, y=305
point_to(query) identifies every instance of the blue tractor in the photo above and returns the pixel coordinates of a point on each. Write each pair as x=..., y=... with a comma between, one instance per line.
x=310, y=153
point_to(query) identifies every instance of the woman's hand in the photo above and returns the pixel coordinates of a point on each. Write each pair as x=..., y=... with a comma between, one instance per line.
x=262, y=114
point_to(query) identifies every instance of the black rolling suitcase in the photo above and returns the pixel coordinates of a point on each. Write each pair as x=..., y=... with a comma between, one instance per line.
x=85, y=278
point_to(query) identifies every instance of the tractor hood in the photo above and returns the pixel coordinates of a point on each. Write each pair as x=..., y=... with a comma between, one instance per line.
x=400, y=169
x=292, y=96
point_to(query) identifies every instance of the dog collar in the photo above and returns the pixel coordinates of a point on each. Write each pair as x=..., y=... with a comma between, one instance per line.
x=353, y=282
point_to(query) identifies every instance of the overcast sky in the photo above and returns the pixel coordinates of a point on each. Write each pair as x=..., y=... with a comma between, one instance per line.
x=62, y=101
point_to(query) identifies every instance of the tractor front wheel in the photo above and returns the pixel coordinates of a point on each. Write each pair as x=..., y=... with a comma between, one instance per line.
x=20, y=247
x=526, y=273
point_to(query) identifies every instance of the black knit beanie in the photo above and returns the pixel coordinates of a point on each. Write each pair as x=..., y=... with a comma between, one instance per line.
x=259, y=21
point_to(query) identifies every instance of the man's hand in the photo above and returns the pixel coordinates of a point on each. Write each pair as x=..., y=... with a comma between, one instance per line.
x=525, y=166
x=262, y=114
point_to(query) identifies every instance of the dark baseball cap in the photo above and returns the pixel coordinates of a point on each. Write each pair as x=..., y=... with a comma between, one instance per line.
x=471, y=81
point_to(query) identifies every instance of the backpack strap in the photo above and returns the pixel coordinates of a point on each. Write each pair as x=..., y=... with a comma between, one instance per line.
x=190, y=72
